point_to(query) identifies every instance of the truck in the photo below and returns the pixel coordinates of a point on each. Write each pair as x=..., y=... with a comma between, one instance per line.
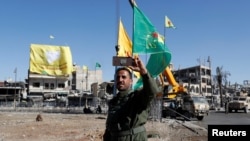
x=177, y=102
x=239, y=103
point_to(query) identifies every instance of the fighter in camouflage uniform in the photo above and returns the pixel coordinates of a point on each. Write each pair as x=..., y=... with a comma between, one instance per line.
x=129, y=109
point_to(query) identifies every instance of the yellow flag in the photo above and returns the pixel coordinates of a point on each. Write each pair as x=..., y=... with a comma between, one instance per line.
x=50, y=60
x=125, y=44
x=168, y=23
x=84, y=68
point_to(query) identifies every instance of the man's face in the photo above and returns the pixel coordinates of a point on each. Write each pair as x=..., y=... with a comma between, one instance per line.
x=123, y=80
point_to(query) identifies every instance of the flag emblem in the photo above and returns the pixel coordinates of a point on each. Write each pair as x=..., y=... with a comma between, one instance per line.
x=168, y=23
x=52, y=56
x=154, y=40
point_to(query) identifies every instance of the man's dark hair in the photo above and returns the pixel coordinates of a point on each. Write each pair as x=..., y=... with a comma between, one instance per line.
x=126, y=69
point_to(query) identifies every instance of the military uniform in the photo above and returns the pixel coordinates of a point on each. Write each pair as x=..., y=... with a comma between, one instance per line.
x=128, y=112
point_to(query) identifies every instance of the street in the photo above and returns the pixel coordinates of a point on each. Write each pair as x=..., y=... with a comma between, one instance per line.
x=219, y=117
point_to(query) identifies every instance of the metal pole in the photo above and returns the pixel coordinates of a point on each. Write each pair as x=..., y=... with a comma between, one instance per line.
x=80, y=95
x=87, y=80
x=15, y=89
x=117, y=38
x=80, y=100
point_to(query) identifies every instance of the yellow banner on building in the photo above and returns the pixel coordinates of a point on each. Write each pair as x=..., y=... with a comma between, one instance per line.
x=50, y=60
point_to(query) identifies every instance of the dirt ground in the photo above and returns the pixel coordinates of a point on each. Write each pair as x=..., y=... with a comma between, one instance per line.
x=22, y=126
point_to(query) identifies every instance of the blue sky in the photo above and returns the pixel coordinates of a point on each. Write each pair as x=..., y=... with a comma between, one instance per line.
x=216, y=28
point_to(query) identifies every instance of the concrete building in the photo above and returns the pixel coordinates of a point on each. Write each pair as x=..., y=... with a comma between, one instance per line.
x=197, y=79
x=51, y=89
x=57, y=90
x=83, y=79
x=12, y=92
x=85, y=87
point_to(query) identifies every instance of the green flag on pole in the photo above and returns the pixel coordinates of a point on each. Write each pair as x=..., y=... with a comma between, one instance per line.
x=145, y=37
x=146, y=40
x=97, y=65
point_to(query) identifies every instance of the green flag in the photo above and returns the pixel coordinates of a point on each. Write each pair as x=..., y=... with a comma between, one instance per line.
x=147, y=40
x=145, y=37
x=97, y=65
x=157, y=63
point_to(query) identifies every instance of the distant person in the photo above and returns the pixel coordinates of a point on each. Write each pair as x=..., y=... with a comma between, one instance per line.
x=129, y=110
x=172, y=105
x=172, y=109
x=99, y=109
x=87, y=110
x=226, y=105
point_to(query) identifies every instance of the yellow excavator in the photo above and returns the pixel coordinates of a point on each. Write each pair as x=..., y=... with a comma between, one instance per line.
x=177, y=102
x=175, y=89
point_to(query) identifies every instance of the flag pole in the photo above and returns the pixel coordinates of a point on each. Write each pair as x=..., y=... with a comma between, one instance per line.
x=165, y=31
x=87, y=79
x=117, y=45
x=95, y=72
x=132, y=3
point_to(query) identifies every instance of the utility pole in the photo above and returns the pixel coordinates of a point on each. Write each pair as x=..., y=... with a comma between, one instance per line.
x=80, y=94
x=87, y=80
x=210, y=67
x=15, y=71
x=86, y=87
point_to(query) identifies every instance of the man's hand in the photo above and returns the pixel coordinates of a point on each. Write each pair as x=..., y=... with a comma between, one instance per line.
x=138, y=66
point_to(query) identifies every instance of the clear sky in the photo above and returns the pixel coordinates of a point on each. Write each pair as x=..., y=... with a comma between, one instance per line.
x=216, y=28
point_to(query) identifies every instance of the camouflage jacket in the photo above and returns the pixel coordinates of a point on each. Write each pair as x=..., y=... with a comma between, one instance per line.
x=128, y=112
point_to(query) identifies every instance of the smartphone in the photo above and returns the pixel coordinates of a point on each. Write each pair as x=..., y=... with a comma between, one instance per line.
x=123, y=61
